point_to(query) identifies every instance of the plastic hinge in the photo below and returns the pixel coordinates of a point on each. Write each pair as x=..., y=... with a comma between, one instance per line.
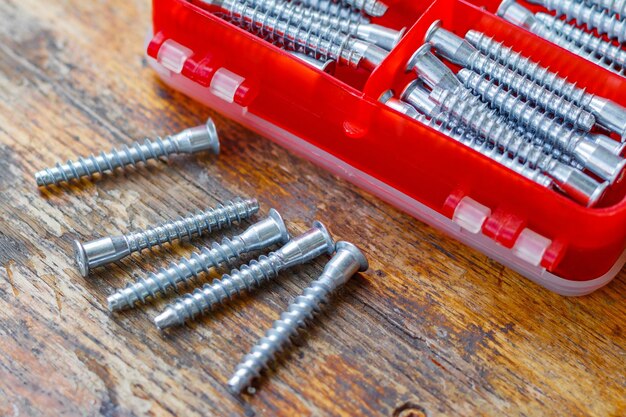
x=225, y=84
x=173, y=55
x=470, y=215
x=531, y=247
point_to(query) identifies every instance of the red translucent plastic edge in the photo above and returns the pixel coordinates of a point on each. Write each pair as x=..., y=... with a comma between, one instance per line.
x=341, y=116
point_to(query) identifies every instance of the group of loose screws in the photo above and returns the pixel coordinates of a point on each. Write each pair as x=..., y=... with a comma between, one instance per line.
x=317, y=32
x=260, y=236
x=190, y=141
x=515, y=112
x=592, y=29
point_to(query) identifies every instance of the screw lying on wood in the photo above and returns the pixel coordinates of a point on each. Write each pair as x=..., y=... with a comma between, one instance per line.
x=347, y=261
x=109, y=249
x=260, y=235
x=192, y=140
x=299, y=250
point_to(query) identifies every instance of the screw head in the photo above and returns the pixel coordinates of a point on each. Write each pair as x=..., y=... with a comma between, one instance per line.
x=418, y=53
x=284, y=234
x=431, y=30
x=81, y=258
x=330, y=243
x=356, y=252
x=212, y=131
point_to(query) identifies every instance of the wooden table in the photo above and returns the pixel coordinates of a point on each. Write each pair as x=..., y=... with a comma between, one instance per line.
x=433, y=328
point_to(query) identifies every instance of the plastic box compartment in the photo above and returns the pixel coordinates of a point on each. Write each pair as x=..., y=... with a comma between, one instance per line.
x=338, y=122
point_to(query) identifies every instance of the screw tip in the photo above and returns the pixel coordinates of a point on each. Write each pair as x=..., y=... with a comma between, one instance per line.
x=166, y=319
x=80, y=256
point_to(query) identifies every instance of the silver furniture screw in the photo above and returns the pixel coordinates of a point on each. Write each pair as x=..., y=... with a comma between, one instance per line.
x=587, y=41
x=344, y=264
x=258, y=236
x=109, y=249
x=617, y=7
x=585, y=14
x=332, y=8
x=313, y=243
x=518, y=15
x=592, y=156
x=328, y=44
x=373, y=8
x=608, y=113
x=470, y=111
x=319, y=23
x=441, y=123
x=461, y=52
x=192, y=140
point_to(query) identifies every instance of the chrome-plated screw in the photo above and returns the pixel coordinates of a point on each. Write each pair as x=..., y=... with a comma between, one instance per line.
x=344, y=264
x=461, y=52
x=592, y=156
x=329, y=43
x=109, y=249
x=258, y=236
x=319, y=23
x=608, y=113
x=470, y=111
x=324, y=66
x=299, y=250
x=373, y=8
x=192, y=140
x=337, y=9
x=584, y=14
x=443, y=124
x=617, y=7
x=518, y=15
x=600, y=47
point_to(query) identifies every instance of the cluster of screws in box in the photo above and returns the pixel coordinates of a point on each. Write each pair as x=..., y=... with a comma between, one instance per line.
x=501, y=104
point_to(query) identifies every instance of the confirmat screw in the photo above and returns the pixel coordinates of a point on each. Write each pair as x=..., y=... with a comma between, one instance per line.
x=344, y=264
x=373, y=8
x=461, y=52
x=441, y=123
x=521, y=16
x=192, y=140
x=592, y=156
x=109, y=249
x=299, y=250
x=259, y=236
x=587, y=41
x=584, y=14
x=328, y=43
x=469, y=110
x=608, y=113
x=332, y=8
x=320, y=23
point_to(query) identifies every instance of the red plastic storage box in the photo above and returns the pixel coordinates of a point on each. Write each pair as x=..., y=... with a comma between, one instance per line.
x=338, y=122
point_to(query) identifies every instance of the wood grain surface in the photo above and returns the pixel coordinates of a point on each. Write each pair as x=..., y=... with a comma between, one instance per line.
x=433, y=328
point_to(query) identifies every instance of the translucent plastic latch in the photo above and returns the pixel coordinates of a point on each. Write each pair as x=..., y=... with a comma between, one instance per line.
x=225, y=84
x=531, y=247
x=470, y=215
x=173, y=55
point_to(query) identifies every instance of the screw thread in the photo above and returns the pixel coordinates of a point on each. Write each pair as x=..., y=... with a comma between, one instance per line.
x=477, y=115
x=583, y=14
x=616, y=6
x=332, y=8
x=204, y=299
x=127, y=155
x=442, y=123
x=532, y=91
x=301, y=30
x=296, y=317
x=222, y=216
x=374, y=8
x=539, y=74
x=168, y=278
x=529, y=117
x=560, y=33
